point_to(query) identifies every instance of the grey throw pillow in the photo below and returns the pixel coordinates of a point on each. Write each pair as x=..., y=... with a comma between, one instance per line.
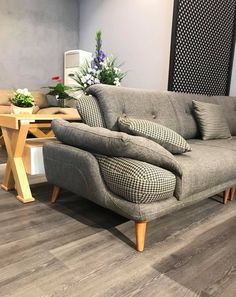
x=99, y=140
x=164, y=136
x=211, y=120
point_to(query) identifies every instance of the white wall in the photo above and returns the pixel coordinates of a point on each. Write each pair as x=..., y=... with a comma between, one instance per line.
x=233, y=81
x=33, y=37
x=138, y=32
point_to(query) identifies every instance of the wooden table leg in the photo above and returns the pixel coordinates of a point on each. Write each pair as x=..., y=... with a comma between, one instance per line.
x=15, y=142
x=8, y=179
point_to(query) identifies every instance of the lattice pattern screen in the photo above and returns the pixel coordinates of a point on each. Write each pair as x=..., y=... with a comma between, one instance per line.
x=202, y=47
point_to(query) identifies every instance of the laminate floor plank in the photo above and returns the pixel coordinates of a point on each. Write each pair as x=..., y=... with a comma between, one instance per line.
x=75, y=248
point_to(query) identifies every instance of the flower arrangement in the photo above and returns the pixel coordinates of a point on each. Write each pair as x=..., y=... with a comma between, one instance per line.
x=59, y=90
x=22, y=98
x=100, y=70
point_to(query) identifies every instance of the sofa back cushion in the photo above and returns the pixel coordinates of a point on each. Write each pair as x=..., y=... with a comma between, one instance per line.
x=89, y=111
x=5, y=95
x=170, y=109
x=229, y=109
x=40, y=99
x=117, y=102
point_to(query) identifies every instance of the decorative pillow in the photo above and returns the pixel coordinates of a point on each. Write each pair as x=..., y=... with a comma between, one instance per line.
x=102, y=141
x=89, y=111
x=164, y=136
x=211, y=120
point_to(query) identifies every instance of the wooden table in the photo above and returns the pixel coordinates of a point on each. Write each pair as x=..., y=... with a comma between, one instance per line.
x=15, y=129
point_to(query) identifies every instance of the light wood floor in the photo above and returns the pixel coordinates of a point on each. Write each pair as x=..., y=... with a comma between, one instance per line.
x=77, y=249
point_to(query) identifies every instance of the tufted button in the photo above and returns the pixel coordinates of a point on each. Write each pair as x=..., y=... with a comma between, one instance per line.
x=124, y=115
x=154, y=116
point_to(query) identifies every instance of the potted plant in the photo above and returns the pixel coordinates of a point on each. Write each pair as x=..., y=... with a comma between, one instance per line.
x=102, y=69
x=59, y=92
x=22, y=102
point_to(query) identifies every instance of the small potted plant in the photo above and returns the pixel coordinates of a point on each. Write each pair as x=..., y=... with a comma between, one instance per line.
x=58, y=93
x=102, y=69
x=22, y=102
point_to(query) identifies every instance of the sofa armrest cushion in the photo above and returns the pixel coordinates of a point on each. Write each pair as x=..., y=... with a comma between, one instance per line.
x=99, y=140
x=136, y=181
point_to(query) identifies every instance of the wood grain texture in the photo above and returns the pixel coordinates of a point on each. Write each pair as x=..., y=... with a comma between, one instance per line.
x=75, y=248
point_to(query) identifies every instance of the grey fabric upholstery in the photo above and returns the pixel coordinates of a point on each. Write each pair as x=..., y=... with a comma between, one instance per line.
x=136, y=181
x=79, y=173
x=205, y=167
x=229, y=108
x=111, y=143
x=141, y=104
x=162, y=135
x=173, y=110
x=207, y=170
x=89, y=111
x=211, y=120
x=229, y=143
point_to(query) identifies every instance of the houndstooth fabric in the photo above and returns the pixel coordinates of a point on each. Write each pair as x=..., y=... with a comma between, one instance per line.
x=136, y=181
x=90, y=112
x=164, y=136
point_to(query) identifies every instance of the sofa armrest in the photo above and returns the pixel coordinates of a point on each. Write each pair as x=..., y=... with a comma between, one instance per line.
x=98, y=140
x=78, y=171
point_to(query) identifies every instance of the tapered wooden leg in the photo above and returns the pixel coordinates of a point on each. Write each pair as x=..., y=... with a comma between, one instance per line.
x=233, y=190
x=226, y=195
x=55, y=194
x=140, y=228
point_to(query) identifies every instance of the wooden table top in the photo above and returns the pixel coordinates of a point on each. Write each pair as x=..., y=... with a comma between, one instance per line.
x=12, y=120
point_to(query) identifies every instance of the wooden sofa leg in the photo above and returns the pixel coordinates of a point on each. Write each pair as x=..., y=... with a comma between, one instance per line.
x=233, y=190
x=226, y=195
x=140, y=228
x=55, y=194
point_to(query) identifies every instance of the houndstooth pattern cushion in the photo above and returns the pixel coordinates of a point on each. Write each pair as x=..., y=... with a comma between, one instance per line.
x=90, y=112
x=164, y=136
x=136, y=181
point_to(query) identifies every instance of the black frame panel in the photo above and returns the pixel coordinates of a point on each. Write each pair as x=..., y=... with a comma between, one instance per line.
x=202, y=46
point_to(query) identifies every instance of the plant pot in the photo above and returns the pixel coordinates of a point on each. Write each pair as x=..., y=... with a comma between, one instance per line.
x=21, y=110
x=53, y=101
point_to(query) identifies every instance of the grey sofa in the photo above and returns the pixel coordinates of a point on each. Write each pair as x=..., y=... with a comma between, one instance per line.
x=208, y=169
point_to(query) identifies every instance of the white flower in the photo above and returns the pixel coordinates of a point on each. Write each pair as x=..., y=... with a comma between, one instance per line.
x=117, y=82
x=24, y=92
x=83, y=79
x=97, y=81
x=89, y=82
x=88, y=76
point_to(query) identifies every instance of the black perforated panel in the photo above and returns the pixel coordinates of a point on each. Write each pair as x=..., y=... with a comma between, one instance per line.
x=202, y=46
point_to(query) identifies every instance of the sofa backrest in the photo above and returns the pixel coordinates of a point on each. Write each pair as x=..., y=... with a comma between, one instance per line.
x=144, y=104
x=39, y=98
x=173, y=110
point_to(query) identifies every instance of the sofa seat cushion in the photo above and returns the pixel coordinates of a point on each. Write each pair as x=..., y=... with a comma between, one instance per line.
x=205, y=167
x=229, y=143
x=136, y=181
